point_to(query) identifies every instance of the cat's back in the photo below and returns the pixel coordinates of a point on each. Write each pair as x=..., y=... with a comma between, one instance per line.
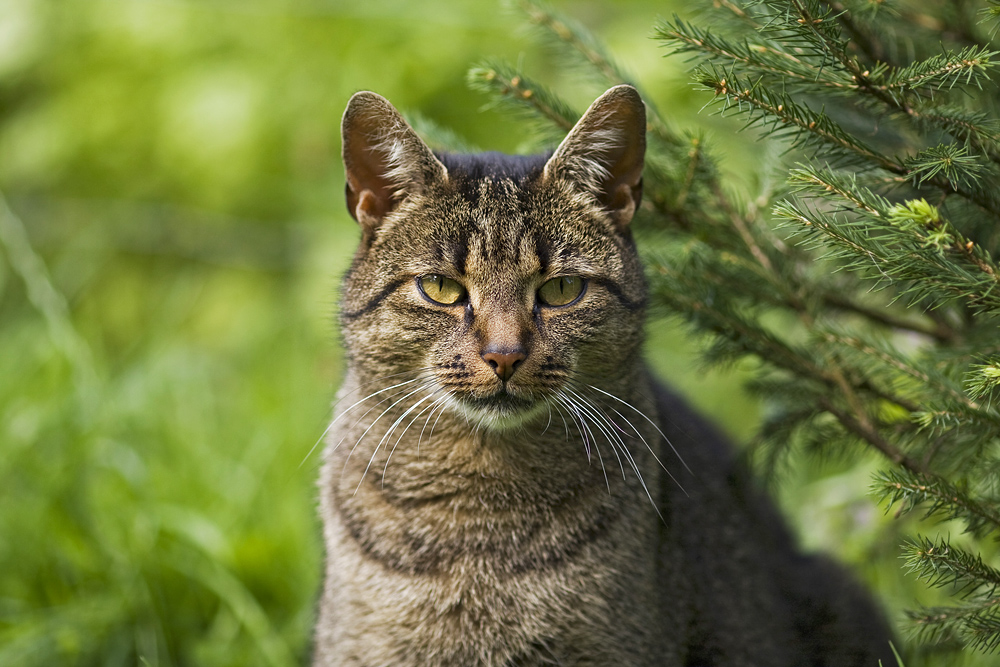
x=807, y=610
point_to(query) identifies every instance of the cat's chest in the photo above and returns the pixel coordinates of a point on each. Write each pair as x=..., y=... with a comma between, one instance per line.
x=496, y=611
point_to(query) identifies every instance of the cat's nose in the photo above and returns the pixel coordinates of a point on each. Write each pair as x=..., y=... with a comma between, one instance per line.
x=504, y=361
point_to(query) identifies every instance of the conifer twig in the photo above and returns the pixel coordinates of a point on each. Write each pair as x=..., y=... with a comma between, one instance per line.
x=940, y=331
x=867, y=432
x=583, y=43
x=510, y=85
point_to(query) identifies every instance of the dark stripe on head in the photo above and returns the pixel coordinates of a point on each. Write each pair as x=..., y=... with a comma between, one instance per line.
x=348, y=315
x=460, y=251
x=615, y=291
x=542, y=250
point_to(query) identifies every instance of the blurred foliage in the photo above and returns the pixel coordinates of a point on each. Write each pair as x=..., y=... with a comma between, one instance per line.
x=172, y=231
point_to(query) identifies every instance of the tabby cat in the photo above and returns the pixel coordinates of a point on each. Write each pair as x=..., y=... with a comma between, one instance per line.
x=504, y=483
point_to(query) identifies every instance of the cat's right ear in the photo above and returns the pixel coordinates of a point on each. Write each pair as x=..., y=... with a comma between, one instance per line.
x=603, y=153
x=384, y=160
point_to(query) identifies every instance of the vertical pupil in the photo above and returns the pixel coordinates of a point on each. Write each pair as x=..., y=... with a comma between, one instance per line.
x=440, y=282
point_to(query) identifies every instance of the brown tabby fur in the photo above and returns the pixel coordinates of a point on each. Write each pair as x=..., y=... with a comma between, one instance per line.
x=545, y=519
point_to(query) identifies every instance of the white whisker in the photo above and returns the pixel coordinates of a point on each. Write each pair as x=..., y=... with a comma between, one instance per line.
x=652, y=423
x=571, y=404
x=370, y=426
x=574, y=417
x=392, y=428
x=628, y=455
x=549, y=422
x=598, y=419
x=356, y=404
x=438, y=403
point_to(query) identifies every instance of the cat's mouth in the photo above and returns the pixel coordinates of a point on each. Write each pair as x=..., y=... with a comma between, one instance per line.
x=501, y=401
x=501, y=409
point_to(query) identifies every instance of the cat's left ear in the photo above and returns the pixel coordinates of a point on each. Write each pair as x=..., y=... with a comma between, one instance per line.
x=603, y=153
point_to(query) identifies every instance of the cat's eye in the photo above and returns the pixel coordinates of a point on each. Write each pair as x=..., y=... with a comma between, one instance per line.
x=561, y=291
x=441, y=290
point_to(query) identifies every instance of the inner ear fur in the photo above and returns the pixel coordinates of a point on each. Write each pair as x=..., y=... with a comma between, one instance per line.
x=603, y=153
x=384, y=159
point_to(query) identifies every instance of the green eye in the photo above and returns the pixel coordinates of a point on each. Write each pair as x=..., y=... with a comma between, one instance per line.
x=561, y=291
x=441, y=290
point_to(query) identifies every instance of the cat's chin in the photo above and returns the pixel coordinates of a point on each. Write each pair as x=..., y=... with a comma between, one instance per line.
x=500, y=411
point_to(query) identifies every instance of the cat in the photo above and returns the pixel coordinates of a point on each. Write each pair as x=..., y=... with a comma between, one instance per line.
x=504, y=482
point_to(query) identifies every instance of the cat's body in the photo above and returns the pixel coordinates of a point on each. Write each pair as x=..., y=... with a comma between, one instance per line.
x=496, y=487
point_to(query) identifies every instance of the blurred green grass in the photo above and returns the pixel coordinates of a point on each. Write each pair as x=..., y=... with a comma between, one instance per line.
x=168, y=272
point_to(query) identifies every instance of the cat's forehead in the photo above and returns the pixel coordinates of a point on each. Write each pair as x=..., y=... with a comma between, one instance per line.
x=483, y=224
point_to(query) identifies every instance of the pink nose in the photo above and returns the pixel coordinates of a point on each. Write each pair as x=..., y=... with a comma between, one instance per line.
x=504, y=362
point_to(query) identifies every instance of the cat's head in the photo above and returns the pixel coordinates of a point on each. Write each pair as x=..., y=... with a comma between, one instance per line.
x=503, y=286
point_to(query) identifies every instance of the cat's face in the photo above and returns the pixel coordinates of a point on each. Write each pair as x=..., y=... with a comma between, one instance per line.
x=502, y=286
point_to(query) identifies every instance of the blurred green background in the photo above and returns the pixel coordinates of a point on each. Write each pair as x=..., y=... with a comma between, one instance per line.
x=171, y=239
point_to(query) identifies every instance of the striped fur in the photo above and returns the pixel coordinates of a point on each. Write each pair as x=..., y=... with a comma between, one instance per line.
x=576, y=513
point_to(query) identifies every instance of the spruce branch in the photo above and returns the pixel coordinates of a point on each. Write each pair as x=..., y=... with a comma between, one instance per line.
x=969, y=67
x=990, y=13
x=910, y=242
x=860, y=36
x=983, y=628
x=913, y=210
x=510, y=87
x=782, y=116
x=976, y=623
x=935, y=382
x=882, y=316
x=743, y=228
x=826, y=29
x=982, y=380
x=683, y=37
x=866, y=431
x=976, y=130
x=695, y=155
x=739, y=329
x=910, y=488
x=940, y=564
x=575, y=36
x=582, y=42
x=948, y=161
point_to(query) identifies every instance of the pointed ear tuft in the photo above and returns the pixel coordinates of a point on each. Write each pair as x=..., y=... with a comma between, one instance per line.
x=603, y=153
x=384, y=159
